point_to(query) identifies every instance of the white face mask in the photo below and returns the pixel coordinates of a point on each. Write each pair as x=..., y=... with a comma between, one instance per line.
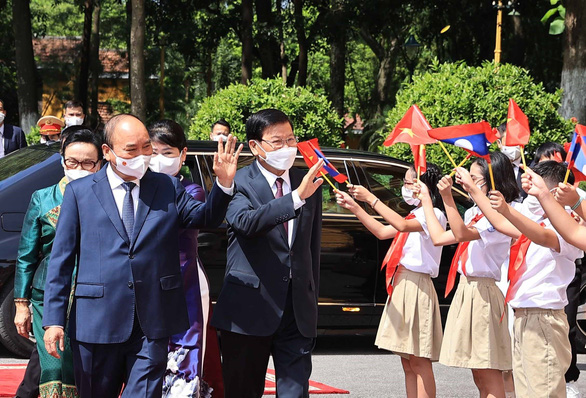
x=165, y=165
x=2, y=116
x=135, y=167
x=281, y=159
x=533, y=206
x=73, y=121
x=220, y=137
x=74, y=174
x=511, y=152
x=408, y=196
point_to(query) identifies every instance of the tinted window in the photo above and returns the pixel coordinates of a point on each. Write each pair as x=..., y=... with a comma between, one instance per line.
x=24, y=158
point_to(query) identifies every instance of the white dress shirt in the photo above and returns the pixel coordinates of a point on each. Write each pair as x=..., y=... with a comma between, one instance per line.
x=2, y=154
x=297, y=202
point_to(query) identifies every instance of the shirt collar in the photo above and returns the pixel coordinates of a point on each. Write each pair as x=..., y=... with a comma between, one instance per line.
x=2, y=129
x=115, y=180
x=271, y=178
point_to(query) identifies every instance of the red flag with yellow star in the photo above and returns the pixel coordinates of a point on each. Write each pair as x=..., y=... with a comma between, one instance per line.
x=419, y=161
x=412, y=129
x=517, y=126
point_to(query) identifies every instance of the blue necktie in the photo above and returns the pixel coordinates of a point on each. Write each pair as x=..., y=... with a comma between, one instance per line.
x=128, y=208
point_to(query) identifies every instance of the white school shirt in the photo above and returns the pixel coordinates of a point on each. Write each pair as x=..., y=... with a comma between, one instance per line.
x=419, y=253
x=487, y=254
x=548, y=274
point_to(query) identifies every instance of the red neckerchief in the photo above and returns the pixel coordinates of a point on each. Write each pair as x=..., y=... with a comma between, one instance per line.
x=391, y=260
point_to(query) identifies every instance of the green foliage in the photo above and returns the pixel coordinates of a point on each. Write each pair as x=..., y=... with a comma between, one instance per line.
x=558, y=14
x=34, y=136
x=311, y=114
x=454, y=93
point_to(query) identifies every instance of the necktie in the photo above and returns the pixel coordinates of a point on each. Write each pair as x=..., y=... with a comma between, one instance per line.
x=461, y=255
x=128, y=208
x=391, y=260
x=279, y=183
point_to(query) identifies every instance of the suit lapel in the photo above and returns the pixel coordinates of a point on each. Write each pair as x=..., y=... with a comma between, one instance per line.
x=7, y=137
x=103, y=192
x=145, y=199
x=265, y=194
x=295, y=181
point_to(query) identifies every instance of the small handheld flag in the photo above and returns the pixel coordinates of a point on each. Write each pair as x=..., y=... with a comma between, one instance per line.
x=576, y=157
x=312, y=153
x=470, y=137
x=411, y=129
x=518, y=132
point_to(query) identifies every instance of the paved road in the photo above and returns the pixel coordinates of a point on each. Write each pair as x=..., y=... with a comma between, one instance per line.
x=354, y=364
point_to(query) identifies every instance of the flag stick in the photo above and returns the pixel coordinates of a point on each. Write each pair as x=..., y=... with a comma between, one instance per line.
x=567, y=175
x=491, y=175
x=523, y=157
x=461, y=164
x=328, y=180
x=447, y=153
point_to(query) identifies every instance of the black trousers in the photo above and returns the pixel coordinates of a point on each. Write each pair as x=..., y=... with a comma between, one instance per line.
x=573, y=292
x=245, y=359
x=29, y=387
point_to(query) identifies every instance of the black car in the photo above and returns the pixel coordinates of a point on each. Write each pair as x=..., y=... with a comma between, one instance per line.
x=352, y=291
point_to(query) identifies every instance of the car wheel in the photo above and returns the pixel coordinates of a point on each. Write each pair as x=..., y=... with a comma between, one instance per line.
x=8, y=336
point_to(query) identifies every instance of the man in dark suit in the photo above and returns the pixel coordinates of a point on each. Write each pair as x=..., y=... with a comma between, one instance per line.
x=12, y=136
x=268, y=304
x=120, y=226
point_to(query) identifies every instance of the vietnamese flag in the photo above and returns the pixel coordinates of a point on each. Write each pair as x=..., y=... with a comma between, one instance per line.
x=517, y=126
x=312, y=153
x=411, y=129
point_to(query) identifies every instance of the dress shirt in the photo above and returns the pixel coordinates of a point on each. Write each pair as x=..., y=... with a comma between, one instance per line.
x=297, y=202
x=2, y=154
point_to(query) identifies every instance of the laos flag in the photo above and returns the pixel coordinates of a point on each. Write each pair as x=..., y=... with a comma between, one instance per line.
x=312, y=153
x=576, y=158
x=473, y=137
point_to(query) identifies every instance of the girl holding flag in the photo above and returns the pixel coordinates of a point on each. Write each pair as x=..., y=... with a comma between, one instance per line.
x=475, y=336
x=410, y=325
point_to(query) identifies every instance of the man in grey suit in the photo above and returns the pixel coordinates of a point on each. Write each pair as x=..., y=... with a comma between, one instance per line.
x=268, y=303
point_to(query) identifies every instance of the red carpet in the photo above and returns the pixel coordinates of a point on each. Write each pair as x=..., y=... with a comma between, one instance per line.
x=11, y=376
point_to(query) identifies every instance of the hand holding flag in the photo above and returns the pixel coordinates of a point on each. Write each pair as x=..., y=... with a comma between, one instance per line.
x=312, y=154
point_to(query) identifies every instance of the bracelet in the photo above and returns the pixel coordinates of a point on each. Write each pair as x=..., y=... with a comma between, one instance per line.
x=374, y=202
x=21, y=300
x=577, y=203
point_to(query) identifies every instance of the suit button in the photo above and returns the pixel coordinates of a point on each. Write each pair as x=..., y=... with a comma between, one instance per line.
x=130, y=285
x=131, y=256
x=285, y=279
x=291, y=253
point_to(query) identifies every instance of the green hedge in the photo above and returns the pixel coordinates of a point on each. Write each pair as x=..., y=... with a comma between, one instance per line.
x=454, y=93
x=311, y=114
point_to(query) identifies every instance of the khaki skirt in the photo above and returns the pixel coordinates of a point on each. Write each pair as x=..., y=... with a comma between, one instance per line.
x=411, y=322
x=475, y=337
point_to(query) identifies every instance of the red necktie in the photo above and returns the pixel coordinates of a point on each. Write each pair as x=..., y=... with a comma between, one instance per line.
x=394, y=254
x=279, y=194
x=460, y=255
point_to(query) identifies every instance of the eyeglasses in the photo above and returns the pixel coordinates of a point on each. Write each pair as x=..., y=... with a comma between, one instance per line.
x=86, y=164
x=278, y=144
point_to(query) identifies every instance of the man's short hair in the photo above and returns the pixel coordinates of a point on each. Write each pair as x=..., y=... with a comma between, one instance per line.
x=222, y=122
x=73, y=104
x=110, y=127
x=259, y=121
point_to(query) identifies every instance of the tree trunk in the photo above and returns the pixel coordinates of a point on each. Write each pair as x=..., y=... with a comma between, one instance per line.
x=574, y=68
x=81, y=83
x=282, y=58
x=337, y=33
x=162, y=83
x=268, y=46
x=95, y=64
x=25, y=65
x=137, y=74
x=246, y=68
x=302, y=43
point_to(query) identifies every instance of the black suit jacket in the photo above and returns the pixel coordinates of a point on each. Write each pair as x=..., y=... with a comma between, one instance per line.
x=13, y=138
x=260, y=260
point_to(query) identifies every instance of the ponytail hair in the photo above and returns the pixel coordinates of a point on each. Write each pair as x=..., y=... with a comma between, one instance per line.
x=430, y=178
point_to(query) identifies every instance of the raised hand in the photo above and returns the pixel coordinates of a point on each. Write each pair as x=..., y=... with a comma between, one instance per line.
x=497, y=201
x=464, y=179
x=445, y=186
x=423, y=191
x=566, y=195
x=533, y=184
x=309, y=184
x=346, y=201
x=358, y=192
x=226, y=161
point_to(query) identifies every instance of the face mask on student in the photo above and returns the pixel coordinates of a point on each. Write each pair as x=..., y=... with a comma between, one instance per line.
x=165, y=165
x=281, y=159
x=408, y=196
x=135, y=167
x=533, y=206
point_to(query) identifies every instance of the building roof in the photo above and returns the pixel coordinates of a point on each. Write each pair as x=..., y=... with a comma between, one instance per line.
x=51, y=49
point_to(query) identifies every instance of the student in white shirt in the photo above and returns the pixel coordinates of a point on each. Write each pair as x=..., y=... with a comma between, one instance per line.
x=474, y=336
x=411, y=324
x=541, y=349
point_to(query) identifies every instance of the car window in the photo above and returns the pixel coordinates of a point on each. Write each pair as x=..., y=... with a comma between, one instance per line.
x=24, y=158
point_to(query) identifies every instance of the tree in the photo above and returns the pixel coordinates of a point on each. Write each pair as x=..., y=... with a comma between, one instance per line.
x=95, y=64
x=573, y=81
x=25, y=64
x=337, y=37
x=137, y=64
x=246, y=38
x=81, y=83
